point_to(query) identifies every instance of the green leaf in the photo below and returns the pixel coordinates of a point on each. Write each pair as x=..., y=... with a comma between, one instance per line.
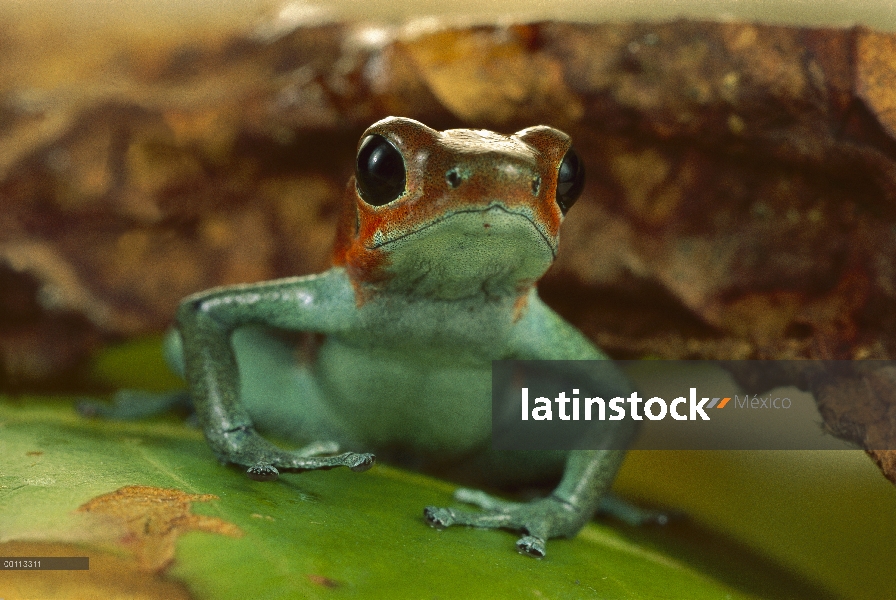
x=136, y=364
x=320, y=534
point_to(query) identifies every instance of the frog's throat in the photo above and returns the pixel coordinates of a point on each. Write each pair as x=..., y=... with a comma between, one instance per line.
x=380, y=242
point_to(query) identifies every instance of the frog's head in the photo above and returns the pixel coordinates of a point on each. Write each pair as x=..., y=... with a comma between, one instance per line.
x=456, y=213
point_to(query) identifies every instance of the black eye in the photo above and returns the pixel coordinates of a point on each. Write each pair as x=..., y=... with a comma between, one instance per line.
x=570, y=180
x=379, y=171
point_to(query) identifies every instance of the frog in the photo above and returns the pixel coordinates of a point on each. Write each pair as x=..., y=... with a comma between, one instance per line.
x=443, y=238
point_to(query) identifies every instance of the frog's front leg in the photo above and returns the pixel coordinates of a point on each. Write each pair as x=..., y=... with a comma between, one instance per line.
x=588, y=474
x=324, y=303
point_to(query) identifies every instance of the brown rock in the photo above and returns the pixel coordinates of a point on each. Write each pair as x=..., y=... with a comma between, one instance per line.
x=742, y=177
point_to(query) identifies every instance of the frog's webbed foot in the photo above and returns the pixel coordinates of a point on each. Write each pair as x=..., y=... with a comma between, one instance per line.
x=636, y=516
x=244, y=446
x=130, y=405
x=539, y=520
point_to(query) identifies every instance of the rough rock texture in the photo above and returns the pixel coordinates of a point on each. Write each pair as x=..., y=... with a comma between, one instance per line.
x=740, y=203
x=855, y=397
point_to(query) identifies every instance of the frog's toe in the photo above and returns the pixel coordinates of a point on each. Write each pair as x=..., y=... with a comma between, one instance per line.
x=129, y=405
x=360, y=462
x=634, y=515
x=297, y=462
x=440, y=518
x=243, y=446
x=445, y=517
x=96, y=409
x=481, y=499
x=90, y=408
x=318, y=449
x=263, y=472
x=531, y=545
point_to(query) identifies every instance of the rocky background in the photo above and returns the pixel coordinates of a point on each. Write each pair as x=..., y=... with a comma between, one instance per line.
x=741, y=197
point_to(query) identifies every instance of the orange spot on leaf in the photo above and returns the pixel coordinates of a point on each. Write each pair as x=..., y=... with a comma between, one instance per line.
x=152, y=519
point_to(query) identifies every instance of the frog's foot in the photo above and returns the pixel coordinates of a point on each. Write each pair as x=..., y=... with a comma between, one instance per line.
x=266, y=470
x=631, y=514
x=318, y=449
x=244, y=446
x=130, y=405
x=540, y=519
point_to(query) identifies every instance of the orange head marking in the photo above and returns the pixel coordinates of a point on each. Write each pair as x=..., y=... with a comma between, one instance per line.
x=455, y=213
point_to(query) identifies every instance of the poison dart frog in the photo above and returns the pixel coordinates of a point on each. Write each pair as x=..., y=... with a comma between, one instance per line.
x=442, y=241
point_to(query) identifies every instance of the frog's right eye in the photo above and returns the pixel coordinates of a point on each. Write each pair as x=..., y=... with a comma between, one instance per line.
x=570, y=180
x=379, y=171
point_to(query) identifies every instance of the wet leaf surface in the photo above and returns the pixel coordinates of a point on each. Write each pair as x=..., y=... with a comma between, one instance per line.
x=309, y=535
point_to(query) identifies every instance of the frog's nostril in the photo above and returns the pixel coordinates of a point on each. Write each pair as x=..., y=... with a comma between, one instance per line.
x=453, y=178
x=536, y=186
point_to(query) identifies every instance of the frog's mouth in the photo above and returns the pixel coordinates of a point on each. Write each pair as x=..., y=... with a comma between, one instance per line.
x=380, y=240
x=492, y=250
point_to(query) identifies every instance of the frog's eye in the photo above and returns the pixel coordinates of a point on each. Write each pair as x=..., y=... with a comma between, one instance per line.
x=379, y=171
x=570, y=180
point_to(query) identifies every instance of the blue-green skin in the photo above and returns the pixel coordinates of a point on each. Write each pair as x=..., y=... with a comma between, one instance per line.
x=406, y=361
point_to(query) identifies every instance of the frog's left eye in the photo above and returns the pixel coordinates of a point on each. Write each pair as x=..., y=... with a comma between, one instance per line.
x=570, y=180
x=379, y=171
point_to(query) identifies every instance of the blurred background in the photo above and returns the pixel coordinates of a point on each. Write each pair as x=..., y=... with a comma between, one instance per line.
x=149, y=16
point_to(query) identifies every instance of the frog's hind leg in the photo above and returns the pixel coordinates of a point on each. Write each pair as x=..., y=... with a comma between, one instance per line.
x=130, y=405
x=631, y=514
